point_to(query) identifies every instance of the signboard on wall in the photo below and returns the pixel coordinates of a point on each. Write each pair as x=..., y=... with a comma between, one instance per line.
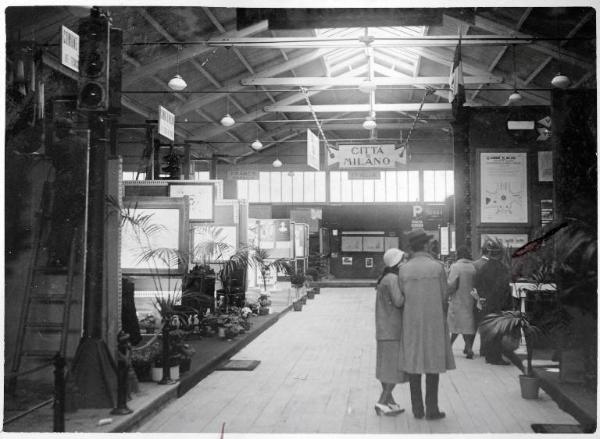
x=242, y=174
x=313, y=150
x=366, y=157
x=166, y=123
x=364, y=174
x=511, y=240
x=503, y=197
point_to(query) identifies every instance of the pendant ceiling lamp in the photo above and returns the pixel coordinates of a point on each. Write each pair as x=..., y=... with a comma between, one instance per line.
x=257, y=144
x=369, y=123
x=227, y=120
x=277, y=163
x=560, y=80
x=177, y=83
x=367, y=86
x=515, y=96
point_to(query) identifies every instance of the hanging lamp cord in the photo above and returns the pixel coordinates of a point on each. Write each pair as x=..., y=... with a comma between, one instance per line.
x=316, y=119
x=428, y=91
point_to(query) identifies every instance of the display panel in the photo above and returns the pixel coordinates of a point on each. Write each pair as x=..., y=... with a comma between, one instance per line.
x=373, y=243
x=352, y=243
x=202, y=199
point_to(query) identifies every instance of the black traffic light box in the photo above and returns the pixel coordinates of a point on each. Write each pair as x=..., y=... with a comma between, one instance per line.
x=93, y=62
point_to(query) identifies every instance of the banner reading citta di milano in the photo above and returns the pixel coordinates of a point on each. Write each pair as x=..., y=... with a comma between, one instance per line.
x=367, y=157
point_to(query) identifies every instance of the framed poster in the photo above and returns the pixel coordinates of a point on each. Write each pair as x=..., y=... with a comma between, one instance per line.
x=503, y=196
x=373, y=243
x=351, y=243
x=368, y=262
x=546, y=211
x=152, y=247
x=544, y=165
x=202, y=198
x=346, y=260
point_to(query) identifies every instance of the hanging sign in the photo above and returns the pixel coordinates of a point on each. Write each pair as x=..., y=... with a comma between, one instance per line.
x=166, y=123
x=367, y=157
x=444, y=241
x=242, y=174
x=69, y=53
x=364, y=174
x=312, y=150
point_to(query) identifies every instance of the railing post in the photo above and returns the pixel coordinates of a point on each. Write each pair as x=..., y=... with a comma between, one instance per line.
x=123, y=364
x=59, y=394
x=166, y=378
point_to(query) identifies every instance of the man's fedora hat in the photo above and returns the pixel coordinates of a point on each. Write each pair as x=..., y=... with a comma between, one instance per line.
x=418, y=236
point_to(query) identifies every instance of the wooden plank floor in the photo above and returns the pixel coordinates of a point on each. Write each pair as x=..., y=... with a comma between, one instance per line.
x=317, y=376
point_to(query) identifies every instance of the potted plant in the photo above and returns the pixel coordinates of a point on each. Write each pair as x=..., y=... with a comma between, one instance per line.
x=265, y=264
x=264, y=303
x=297, y=280
x=233, y=277
x=143, y=359
x=509, y=326
x=312, y=277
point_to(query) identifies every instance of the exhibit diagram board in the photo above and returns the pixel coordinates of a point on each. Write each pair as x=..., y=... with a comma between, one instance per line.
x=503, y=190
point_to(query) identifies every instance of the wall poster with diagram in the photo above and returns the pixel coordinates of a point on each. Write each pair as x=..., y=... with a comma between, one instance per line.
x=503, y=177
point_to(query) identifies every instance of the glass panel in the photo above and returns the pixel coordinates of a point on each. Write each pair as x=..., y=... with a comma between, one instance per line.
x=297, y=187
x=369, y=190
x=264, y=183
x=253, y=195
x=201, y=175
x=309, y=186
x=334, y=186
x=449, y=183
x=345, y=186
x=320, y=187
x=390, y=186
x=440, y=185
x=402, y=185
x=286, y=187
x=428, y=186
x=380, y=188
x=242, y=189
x=357, y=191
x=413, y=186
x=275, y=187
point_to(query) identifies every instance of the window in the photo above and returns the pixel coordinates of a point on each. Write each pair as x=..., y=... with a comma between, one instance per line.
x=201, y=175
x=276, y=187
x=391, y=187
x=437, y=185
x=133, y=175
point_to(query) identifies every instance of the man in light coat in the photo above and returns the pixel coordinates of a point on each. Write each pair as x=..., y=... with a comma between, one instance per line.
x=426, y=343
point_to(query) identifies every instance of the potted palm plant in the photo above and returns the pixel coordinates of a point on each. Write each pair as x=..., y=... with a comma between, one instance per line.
x=297, y=280
x=509, y=326
x=265, y=264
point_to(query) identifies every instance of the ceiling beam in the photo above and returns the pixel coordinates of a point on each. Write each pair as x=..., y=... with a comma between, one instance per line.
x=356, y=108
x=187, y=53
x=562, y=43
x=313, y=81
x=215, y=131
x=234, y=85
x=541, y=46
x=503, y=50
x=355, y=42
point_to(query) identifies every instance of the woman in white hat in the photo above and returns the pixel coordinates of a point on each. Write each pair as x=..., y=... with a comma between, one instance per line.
x=388, y=327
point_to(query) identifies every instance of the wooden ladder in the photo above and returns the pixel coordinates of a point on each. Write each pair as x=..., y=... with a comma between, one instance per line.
x=31, y=328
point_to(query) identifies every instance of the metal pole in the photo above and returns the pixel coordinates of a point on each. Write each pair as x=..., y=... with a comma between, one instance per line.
x=166, y=378
x=59, y=394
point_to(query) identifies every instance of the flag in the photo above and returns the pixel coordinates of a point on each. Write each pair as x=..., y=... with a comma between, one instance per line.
x=456, y=94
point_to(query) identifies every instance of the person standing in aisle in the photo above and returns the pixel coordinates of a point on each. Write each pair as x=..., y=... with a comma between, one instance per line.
x=461, y=318
x=425, y=341
x=388, y=327
x=492, y=282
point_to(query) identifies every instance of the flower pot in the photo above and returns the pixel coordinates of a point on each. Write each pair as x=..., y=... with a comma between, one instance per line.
x=263, y=311
x=530, y=386
x=157, y=373
x=303, y=300
x=221, y=332
x=310, y=294
x=317, y=290
x=297, y=305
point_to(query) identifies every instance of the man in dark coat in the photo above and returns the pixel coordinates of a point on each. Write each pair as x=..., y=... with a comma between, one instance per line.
x=492, y=281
